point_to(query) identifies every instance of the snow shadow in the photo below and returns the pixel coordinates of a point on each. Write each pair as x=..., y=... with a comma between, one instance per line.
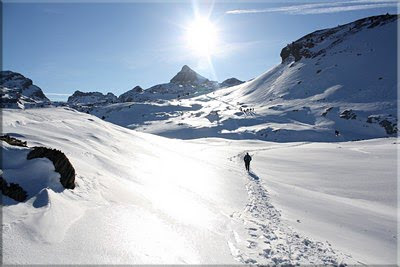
x=253, y=176
x=34, y=176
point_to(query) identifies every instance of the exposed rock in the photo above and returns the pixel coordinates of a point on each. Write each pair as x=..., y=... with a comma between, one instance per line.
x=134, y=94
x=326, y=111
x=17, y=91
x=186, y=82
x=13, y=190
x=79, y=97
x=13, y=141
x=230, y=82
x=138, y=89
x=348, y=114
x=61, y=164
x=388, y=122
x=390, y=128
x=187, y=75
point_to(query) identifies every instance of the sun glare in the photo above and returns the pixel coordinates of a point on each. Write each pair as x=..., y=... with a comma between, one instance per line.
x=202, y=37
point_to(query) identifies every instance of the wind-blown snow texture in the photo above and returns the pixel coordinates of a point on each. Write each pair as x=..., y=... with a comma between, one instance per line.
x=337, y=84
x=140, y=198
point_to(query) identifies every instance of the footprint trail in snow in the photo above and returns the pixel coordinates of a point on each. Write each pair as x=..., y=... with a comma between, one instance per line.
x=270, y=241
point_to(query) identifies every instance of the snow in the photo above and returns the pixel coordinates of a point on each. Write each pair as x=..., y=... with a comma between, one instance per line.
x=315, y=195
x=356, y=72
x=141, y=198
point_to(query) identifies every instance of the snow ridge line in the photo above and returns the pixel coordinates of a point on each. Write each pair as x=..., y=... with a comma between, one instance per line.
x=270, y=241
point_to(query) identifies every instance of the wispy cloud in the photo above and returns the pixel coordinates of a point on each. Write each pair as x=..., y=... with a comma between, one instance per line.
x=320, y=8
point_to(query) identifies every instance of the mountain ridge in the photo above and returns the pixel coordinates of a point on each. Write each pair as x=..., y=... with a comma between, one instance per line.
x=17, y=91
x=346, y=92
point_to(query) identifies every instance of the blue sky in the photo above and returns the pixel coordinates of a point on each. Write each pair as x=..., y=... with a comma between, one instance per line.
x=112, y=47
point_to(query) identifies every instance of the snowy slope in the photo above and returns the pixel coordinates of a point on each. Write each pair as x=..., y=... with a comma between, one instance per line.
x=146, y=199
x=146, y=206
x=332, y=85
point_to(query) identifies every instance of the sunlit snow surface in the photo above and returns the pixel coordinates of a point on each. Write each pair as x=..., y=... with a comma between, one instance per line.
x=147, y=199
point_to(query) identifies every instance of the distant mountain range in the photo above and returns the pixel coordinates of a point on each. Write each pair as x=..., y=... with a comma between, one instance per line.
x=334, y=84
x=186, y=83
x=18, y=91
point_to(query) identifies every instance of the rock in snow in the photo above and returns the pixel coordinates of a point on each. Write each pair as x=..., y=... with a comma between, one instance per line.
x=61, y=164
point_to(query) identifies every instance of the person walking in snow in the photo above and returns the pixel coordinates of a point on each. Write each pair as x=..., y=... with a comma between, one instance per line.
x=247, y=159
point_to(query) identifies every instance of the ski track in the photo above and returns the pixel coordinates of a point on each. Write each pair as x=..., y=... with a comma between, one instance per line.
x=270, y=241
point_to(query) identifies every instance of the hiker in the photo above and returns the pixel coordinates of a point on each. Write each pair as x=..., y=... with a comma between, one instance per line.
x=247, y=159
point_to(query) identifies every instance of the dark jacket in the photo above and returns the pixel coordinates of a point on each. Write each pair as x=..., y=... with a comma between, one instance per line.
x=247, y=158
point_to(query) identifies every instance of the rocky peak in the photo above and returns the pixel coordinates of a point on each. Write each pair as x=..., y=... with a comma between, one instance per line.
x=186, y=68
x=188, y=76
x=18, y=91
x=137, y=89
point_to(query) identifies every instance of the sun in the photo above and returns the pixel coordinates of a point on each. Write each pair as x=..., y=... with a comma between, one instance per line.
x=201, y=37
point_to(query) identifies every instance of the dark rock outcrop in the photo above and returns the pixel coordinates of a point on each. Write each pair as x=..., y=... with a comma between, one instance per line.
x=131, y=95
x=389, y=123
x=230, y=82
x=61, y=164
x=348, y=114
x=390, y=128
x=13, y=190
x=137, y=89
x=88, y=98
x=188, y=76
x=13, y=141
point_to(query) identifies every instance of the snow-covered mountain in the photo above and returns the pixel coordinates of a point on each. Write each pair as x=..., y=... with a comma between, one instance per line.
x=18, y=91
x=90, y=98
x=335, y=84
x=188, y=76
x=230, y=82
x=140, y=198
x=132, y=95
x=186, y=83
x=77, y=189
